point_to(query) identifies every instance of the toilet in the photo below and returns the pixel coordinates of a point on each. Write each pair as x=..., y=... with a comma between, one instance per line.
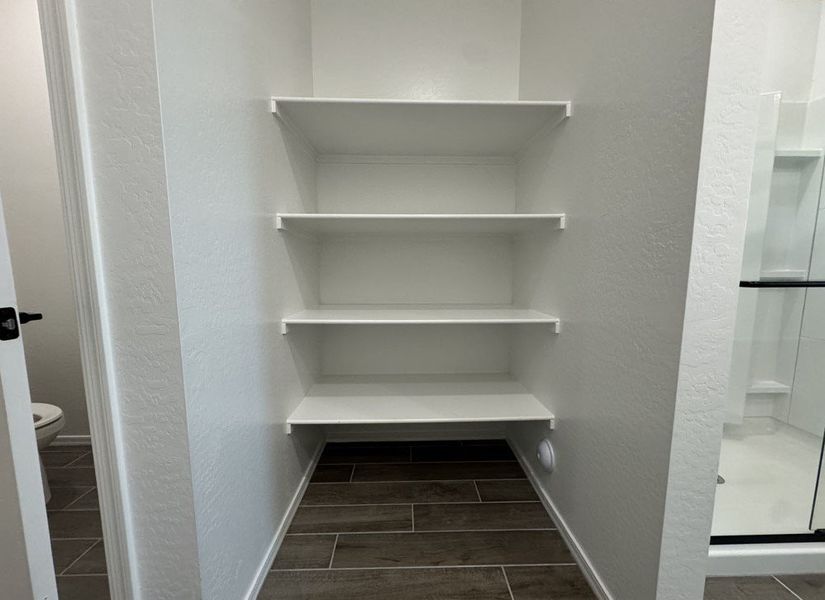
x=48, y=422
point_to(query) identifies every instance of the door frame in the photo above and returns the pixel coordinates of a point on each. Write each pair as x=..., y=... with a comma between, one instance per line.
x=61, y=51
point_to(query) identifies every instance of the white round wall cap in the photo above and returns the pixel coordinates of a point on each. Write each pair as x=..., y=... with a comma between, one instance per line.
x=546, y=455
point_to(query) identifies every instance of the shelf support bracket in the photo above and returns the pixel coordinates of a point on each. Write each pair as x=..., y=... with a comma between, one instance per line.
x=275, y=107
x=557, y=327
x=284, y=328
x=562, y=221
x=279, y=223
x=288, y=428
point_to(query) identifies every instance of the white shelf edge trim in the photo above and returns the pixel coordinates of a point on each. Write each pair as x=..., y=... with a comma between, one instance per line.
x=281, y=219
x=448, y=317
x=769, y=387
x=565, y=104
x=799, y=152
x=405, y=402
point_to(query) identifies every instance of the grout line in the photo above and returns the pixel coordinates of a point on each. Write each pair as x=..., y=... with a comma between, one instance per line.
x=779, y=581
x=332, y=556
x=83, y=495
x=507, y=581
x=82, y=554
x=304, y=505
x=76, y=539
x=407, y=531
x=352, y=474
x=417, y=480
x=412, y=462
x=491, y=565
x=412, y=514
x=478, y=493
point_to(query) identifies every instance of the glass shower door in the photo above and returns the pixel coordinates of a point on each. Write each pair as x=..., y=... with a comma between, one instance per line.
x=775, y=416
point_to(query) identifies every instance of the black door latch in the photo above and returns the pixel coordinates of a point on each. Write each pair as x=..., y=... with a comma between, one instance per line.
x=26, y=317
x=9, y=330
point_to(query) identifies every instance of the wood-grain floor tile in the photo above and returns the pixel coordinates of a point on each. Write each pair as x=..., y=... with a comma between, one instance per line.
x=506, y=491
x=83, y=587
x=65, y=552
x=305, y=552
x=63, y=496
x=71, y=476
x=75, y=524
x=808, y=587
x=62, y=458
x=91, y=563
x=87, y=501
x=545, y=583
x=745, y=588
x=477, y=548
x=438, y=471
x=383, y=584
x=331, y=473
x=343, y=519
x=389, y=493
x=517, y=515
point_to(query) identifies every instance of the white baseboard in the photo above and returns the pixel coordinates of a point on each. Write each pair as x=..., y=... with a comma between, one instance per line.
x=766, y=559
x=275, y=545
x=72, y=440
x=599, y=588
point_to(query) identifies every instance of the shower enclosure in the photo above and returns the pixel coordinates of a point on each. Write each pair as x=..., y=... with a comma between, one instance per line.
x=771, y=485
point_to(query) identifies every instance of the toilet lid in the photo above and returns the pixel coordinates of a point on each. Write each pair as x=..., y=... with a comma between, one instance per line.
x=45, y=414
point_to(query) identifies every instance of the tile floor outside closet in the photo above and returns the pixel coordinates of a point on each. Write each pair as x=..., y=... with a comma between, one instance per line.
x=434, y=520
x=780, y=587
x=74, y=524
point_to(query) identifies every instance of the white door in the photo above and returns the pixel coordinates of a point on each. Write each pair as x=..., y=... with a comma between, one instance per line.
x=26, y=568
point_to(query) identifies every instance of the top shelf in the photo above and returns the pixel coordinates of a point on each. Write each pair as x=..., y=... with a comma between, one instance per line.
x=416, y=127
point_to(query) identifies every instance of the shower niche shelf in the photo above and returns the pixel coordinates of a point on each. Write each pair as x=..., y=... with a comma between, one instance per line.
x=362, y=400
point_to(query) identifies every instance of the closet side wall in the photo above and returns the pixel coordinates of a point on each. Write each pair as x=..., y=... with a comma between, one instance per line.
x=230, y=168
x=624, y=169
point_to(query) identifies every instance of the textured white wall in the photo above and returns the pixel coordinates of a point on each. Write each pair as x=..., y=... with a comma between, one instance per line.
x=790, y=47
x=457, y=49
x=229, y=170
x=624, y=168
x=119, y=89
x=34, y=217
x=728, y=145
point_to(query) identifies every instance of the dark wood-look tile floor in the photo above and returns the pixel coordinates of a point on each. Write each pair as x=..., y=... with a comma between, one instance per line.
x=74, y=524
x=779, y=587
x=424, y=520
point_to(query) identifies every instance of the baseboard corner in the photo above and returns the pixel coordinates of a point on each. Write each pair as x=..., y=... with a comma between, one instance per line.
x=278, y=538
x=590, y=573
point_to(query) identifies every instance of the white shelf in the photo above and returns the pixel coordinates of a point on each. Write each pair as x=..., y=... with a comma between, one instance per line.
x=799, y=153
x=430, y=399
x=767, y=386
x=416, y=127
x=419, y=316
x=416, y=223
